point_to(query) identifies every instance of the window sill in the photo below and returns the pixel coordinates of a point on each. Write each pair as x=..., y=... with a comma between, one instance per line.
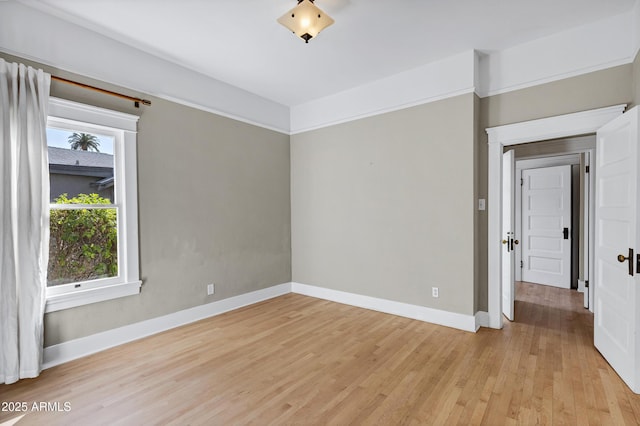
x=93, y=295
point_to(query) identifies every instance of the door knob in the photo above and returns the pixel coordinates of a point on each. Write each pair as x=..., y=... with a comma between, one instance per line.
x=506, y=241
x=622, y=258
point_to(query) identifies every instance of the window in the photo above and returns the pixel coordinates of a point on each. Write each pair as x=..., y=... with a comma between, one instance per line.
x=93, y=245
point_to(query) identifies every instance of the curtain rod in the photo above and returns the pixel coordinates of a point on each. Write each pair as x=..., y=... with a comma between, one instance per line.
x=136, y=101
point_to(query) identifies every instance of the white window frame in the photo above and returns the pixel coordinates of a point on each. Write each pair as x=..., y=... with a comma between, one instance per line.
x=123, y=128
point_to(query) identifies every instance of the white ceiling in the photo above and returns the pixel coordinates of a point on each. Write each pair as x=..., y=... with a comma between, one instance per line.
x=240, y=42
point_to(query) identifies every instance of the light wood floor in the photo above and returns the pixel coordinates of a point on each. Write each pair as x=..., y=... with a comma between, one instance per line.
x=299, y=360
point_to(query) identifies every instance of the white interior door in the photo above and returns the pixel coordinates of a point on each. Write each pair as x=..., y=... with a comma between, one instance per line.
x=508, y=242
x=617, y=287
x=546, y=226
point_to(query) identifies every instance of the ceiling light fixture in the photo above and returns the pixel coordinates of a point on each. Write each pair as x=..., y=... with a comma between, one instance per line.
x=306, y=20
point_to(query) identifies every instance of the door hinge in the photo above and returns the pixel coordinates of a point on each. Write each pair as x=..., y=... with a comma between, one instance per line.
x=521, y=264
x=586, y=284
x=586, y=170
x=521, y=182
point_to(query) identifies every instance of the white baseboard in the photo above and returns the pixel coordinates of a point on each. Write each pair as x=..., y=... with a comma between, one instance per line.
x=73, y=349
x=435, y=316
x=482, y=319
x=78, y=348
x=581, y=286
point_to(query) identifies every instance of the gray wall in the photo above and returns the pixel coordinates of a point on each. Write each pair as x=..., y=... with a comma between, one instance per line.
x=383, y=206
x=589, y=91
x=214, y=206
x=344, y=238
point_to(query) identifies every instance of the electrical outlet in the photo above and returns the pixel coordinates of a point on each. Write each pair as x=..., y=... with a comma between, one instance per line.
x=210, y=289
x=434, y=291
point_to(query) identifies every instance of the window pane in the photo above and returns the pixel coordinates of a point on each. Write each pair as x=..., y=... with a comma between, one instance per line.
x=80, y=163
x=83, y=245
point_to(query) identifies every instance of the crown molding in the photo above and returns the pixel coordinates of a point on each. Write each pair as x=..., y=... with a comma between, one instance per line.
x=593, y=47
x=607, y=43
x=75, y=51
x=435, y=81
x=603, y=44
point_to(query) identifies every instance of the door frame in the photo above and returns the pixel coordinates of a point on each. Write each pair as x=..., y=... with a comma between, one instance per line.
x=568, y=125
x=560, y=158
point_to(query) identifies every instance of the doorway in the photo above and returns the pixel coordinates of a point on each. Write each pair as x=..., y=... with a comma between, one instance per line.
x=564, y=126
x=560, y=232
x=617, y=209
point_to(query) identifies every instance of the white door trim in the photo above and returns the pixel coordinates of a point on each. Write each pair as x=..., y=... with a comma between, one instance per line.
x=568, y=125
x=548, y=161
